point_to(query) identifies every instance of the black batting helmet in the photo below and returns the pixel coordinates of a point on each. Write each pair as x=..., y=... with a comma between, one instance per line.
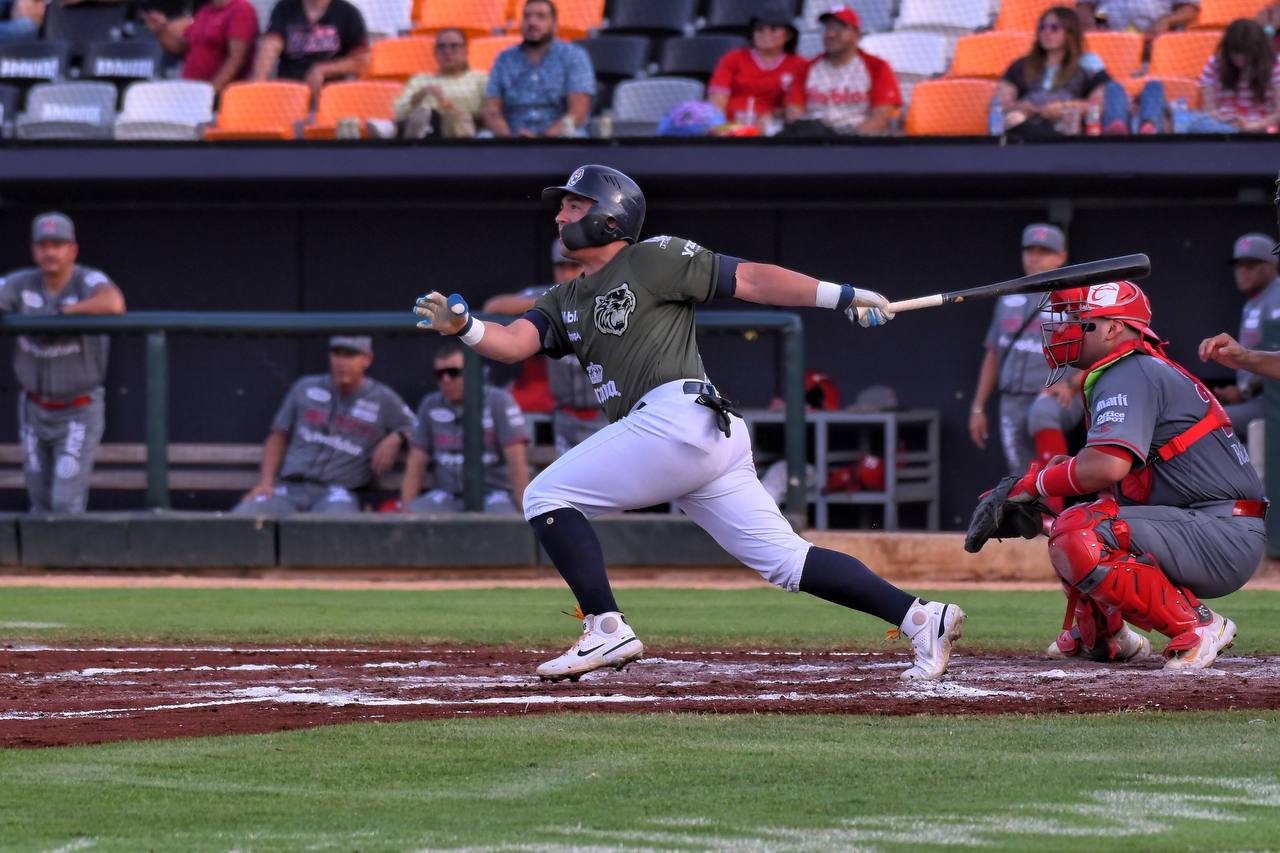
x=616, y=197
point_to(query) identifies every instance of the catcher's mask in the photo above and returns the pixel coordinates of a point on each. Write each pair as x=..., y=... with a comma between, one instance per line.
x=1074, y=311
x=617, y=214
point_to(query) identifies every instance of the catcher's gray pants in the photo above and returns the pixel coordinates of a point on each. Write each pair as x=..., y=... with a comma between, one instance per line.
x=438, y=500
x=298, y=496
x=58, y=449
x=1024, y=415
x=1207, y=550
x=570, y=431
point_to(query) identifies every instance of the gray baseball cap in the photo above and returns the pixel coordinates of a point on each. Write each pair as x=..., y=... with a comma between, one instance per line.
x=1045, y=236
x=1253, y=247
x=53, y=226
x=355, y=343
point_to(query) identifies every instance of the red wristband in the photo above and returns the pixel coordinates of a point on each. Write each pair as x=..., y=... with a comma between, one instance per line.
x=1059, y=481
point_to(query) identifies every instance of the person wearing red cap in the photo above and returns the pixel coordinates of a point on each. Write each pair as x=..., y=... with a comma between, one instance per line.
x=1182, y=516
x=845, y=90
x=750, y=84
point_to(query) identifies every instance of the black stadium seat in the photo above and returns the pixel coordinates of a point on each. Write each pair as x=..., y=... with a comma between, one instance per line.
x=615, y=58
x=24, y=63
x=696, y=56
x=83, y=24
x=123, y=62
x=651, y=17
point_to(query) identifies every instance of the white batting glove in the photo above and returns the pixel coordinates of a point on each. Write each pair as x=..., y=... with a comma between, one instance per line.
x=440, y=314
x=869, y=309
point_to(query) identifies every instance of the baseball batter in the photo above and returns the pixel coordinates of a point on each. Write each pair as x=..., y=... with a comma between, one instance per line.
x=62, y=411
x=672, y=436
x=1186, y=517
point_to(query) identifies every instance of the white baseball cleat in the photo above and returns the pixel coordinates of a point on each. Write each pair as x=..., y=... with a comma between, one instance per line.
x=1129, y=645
x=607, y=640
x=933, y=627
x=1215, y=637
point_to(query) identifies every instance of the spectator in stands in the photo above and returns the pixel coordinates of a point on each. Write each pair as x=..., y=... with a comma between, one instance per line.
x=217, y=43
x=61, y=413
x=332, y=434
x=1150, y=17
x=438, y=439
x=577, y=413
x=845, y=91
x=543, y=86
x=455, y=92
x=20, y=19
x=315, y=41
x=1048, y=91
x=1239, y=84
x=750, y=84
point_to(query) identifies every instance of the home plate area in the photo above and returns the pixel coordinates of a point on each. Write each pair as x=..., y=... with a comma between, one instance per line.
x=67, y=695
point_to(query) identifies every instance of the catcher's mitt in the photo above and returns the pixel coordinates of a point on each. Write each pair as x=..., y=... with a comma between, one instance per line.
x=996, y=516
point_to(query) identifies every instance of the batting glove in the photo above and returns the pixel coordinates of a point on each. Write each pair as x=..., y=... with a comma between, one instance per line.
x=446, y=316
x=869, y=309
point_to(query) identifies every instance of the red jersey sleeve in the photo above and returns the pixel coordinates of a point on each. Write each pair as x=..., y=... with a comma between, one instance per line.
x=795, y=94
x=726, y=70
x=243, y=23
x=884, y=83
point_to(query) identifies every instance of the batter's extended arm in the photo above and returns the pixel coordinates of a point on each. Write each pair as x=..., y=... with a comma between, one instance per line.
x=450, y=316
x=767, y=284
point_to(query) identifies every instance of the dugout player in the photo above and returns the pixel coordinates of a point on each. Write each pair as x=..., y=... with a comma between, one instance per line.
x=1254, y=268
x=62, y=411
x=672, y=436
x=1034, y=416
x=1184, y=518
x=577, y=414
x=333, y=433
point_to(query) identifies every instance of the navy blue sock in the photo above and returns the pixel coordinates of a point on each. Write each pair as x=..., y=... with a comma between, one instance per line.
x=567, y=537
x=844, y=580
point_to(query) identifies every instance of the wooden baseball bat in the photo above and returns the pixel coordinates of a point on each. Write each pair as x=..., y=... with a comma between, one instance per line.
x=1063, y=278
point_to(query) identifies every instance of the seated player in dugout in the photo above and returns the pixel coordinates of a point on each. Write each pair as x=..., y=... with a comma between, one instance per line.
x=1182, y=513
x=438, y=439
x=672, y=436
x=332, y=435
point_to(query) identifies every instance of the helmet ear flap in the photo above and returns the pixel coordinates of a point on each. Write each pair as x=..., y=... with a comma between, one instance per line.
x=591, y=230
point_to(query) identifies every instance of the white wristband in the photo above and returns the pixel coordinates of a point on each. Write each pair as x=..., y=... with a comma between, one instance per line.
x=472, y=336
x=828, y=295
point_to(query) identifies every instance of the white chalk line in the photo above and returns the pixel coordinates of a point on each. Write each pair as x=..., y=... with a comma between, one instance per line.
x=15, y=624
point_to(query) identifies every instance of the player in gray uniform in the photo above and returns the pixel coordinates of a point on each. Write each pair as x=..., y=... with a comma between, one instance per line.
x=62, y=411
x=1186, y=516
x=1255, y=274
x=332, y=434
x=1034, y=417
x=672, y=436
x=438, y=438
x=577, y=414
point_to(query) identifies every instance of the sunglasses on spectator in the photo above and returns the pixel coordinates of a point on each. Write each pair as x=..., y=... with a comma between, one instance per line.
x=450, y=45
x=1051, y=26
x=451, y=372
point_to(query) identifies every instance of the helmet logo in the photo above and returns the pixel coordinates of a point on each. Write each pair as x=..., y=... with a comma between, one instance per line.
x=1103, y=295
x=613, y=310
x=576, y=176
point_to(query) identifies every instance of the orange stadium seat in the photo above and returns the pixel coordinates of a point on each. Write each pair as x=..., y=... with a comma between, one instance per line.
x=361, y=99
x=1174, y=88
x=988, y=54
x=474, y=17
x=1217, y=14
x=578, y=17
x=950, y=108
x=1121, y=53
x=269, y=110
x=1023, y=15
x=1182, y=54
x=484, y=51
x=399, y=59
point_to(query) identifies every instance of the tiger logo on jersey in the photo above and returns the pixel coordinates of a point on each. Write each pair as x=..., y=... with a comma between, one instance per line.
x=613, y=310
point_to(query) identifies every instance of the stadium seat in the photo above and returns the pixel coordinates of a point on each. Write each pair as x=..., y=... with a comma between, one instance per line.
x=473, y=17
x=361, y=99
x=950, y=108
x=948, y=17
x=27, y=62
x=1182, y=54
x=913, y=56
x=1174, y=88
x=658, y=18
x=876, y=15
x=10, y=101
x=1121, y=53
x=399, y=59
x=614, y=58
x=1218, y=14
x=988, y=54
x=696, y=56
x=382, y=18
x=83, y=24
x=483, y=51
x=166, y=110
x=809, y=45
x=123, y=62
x=638, y=105
x=730, y=16
x=263, y=8
x=1023, y=15
x=577, y=18
x=268, y=110
x=80, y=110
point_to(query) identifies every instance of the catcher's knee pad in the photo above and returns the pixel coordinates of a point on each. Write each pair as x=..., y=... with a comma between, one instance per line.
x=1077, y=552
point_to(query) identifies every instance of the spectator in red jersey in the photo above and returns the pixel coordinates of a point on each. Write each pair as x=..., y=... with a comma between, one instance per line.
x=845, y=91
x=217, y=43
x=750, y=84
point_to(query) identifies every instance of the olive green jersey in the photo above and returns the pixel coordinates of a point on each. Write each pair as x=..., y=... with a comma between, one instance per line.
x=631, y=324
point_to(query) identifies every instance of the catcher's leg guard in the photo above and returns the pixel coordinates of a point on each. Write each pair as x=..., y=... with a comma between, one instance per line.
x=1115, y=578
x=1099, y=633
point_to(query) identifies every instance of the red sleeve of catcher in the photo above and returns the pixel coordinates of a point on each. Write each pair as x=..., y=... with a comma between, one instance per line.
x=1058, y=481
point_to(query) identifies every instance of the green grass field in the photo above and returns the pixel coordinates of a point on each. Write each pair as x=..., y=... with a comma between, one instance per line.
x=621, y=781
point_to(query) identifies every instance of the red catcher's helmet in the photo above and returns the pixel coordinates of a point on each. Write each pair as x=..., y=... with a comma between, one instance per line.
x=1072, y=309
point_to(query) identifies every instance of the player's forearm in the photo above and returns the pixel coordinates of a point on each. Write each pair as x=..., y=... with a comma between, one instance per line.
x=987, y=376
x=272, y=456
x=502, y=344
x=517, y=456
x=411, y=485
x=107, y=300
x=766, y=284
x=1262, y=363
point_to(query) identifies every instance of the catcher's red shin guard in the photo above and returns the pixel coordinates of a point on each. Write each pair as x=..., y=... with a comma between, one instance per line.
x=1094, y=632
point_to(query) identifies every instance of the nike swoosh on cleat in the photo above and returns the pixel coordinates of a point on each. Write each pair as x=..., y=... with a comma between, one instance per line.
x=942, y=620
x=583, y=654
x=620, y=645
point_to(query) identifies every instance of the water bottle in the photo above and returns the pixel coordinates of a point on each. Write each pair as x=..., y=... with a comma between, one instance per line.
x=1181, y=115
x=1093, y=120
x=748, y=116
x=995, y=118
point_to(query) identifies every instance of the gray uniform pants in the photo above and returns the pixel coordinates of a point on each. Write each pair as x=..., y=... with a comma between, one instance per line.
x=1207, y=550
x=438, y=500
x=58, y=449
x=295, y=496
x=1242, y=413
x=570, y=431
x=1024, y=415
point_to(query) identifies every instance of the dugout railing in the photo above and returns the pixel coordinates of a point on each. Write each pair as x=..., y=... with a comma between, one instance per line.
x=158, y=326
